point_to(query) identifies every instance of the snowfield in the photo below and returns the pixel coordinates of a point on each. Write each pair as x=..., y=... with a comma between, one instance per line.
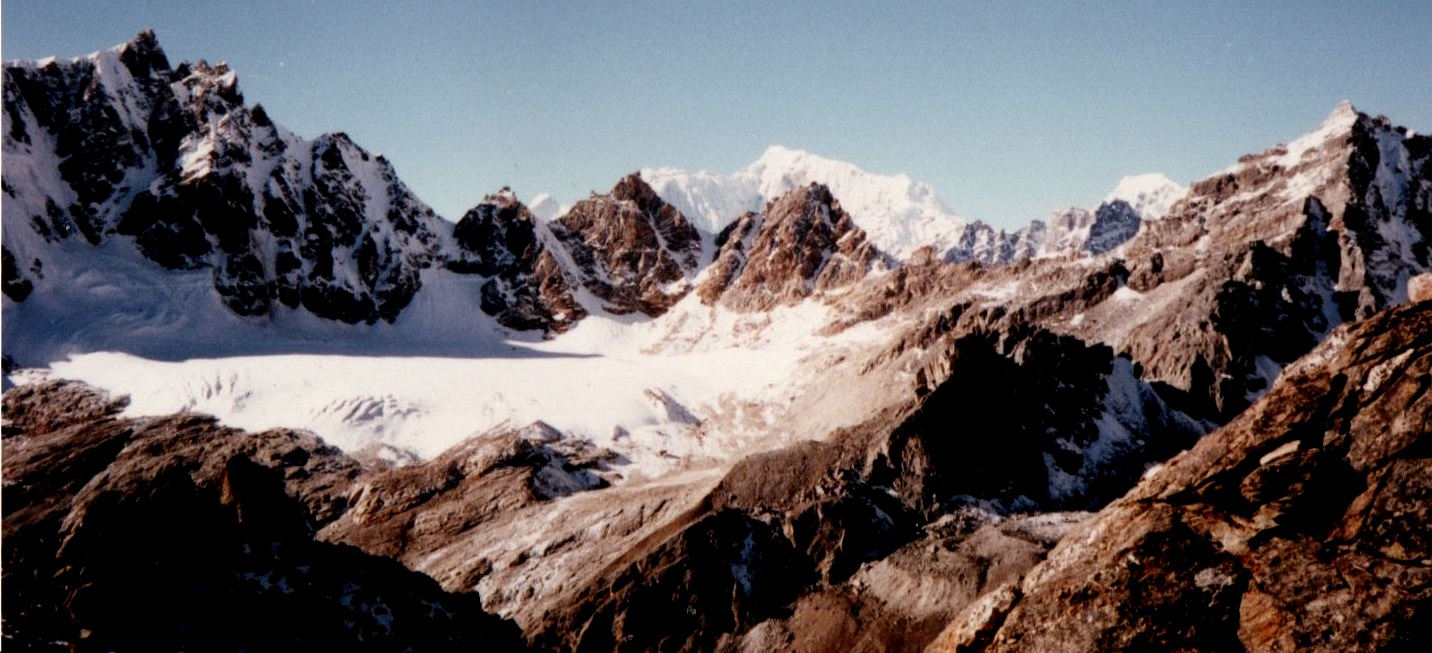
x=699, y=384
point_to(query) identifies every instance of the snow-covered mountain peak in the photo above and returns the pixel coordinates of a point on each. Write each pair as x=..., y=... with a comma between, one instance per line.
x=1150, y=194
x=1337, y=125
x=143, y=49
x=898, y=214
x=1342, y=116
x=545, y=207
x=781, y=170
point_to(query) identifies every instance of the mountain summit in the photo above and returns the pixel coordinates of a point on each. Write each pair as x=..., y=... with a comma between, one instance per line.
x=119, y=144
x=899, y=215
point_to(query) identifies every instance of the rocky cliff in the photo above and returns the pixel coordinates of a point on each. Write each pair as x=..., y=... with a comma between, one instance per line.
x=1299, y=526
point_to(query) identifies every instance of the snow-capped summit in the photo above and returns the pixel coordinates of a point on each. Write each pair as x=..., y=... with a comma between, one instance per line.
x=1150, y=194
x=898, y=214
x=175, y=160
x=545, y=207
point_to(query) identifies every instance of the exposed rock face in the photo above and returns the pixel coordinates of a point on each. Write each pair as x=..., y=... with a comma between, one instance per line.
x=1301, y=525
x=1256, y=265
x=803, y=243
x=1074, y=429
x=631, y=249
x=177, y=534
x=173, y=158
x=16, y=286
x=527, y=286
x=901, y=602
x=773, y=527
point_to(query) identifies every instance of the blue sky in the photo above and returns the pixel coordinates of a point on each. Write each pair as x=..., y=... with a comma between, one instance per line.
x=1010, y=110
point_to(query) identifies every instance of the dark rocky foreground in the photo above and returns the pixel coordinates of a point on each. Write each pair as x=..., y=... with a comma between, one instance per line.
x=1299, y=526
x=177, y=534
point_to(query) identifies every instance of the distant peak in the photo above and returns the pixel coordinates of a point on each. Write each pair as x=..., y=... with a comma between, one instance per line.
x=633, y=187
x=1135, y=185
x=1150, y=194
x=1344, y=111
x=780, y=156
x=1340, y=119
x=781, y=151
x=779, y=160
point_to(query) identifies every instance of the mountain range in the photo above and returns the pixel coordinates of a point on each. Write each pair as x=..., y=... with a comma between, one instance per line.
x=796, y=407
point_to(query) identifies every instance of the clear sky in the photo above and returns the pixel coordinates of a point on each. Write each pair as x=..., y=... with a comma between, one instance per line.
x=1010, y=110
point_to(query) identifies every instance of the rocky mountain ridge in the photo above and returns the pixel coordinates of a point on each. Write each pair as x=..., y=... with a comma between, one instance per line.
x=119, y=145
x=1299, y=526
x=901, y=216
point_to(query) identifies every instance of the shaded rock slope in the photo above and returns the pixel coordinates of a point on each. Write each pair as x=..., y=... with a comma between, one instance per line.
x=178, y=534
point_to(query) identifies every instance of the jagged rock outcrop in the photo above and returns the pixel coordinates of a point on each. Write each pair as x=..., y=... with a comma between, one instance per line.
x=984, y=244
x=527, y=287
x=1299, y=526
x=174, y=159
x=1094, y=231
x=802, y=244
x=177, y=534
x=1074, y=429
x=631, y=249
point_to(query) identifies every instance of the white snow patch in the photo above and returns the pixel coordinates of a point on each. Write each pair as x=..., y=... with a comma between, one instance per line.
x=443, y=372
